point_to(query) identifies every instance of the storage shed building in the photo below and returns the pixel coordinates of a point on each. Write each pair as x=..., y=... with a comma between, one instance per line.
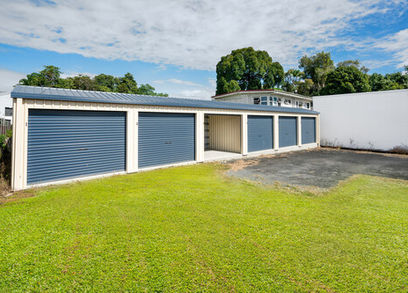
x=62, y=135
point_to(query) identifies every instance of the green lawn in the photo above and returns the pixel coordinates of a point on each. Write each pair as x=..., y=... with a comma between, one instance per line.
x=192, y=229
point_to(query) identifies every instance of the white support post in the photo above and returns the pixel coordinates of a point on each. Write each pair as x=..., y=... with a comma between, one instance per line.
x=299, y=131
x=25, y=145
x=13, y=152
x=200, y=136
x=19, y=125
x=244, y=134
x=276, y=132
x=318, y=130
x=136, y=141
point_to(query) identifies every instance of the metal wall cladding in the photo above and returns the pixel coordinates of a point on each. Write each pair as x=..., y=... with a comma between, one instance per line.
x=166, y=138
x=308, y=130
x=66, y=144
x=260, y=133
x=287, y=131
x=206, y=132
x=225, y=133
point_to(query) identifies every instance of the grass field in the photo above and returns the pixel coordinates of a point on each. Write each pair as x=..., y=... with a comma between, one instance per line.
x=192, y=229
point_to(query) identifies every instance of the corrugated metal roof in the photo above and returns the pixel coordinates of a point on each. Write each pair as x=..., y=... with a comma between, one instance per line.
x=58, y=94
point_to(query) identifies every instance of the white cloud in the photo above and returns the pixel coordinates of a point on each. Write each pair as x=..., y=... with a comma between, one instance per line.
x=201, y=94
x=398, y=45
x=189, y=33
x=185, y=89
x=9, y=78
x=183, y=82
x=161, y=67
x=73, y=74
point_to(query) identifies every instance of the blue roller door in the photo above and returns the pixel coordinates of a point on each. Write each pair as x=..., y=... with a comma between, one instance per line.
x=308, y=130
x=260, y=133
x=287, y=131
x=69, y=144
x=166, y=138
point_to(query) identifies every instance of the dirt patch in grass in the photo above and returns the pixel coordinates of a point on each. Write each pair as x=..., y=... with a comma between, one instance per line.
x=242, y=163
x=4, y=187
x=16, y=196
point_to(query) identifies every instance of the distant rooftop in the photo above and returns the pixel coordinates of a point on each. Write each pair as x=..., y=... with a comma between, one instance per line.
x=58, y=94
x=263, y=91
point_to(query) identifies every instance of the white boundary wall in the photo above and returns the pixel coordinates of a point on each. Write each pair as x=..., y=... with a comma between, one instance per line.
x=20, y=133
x=372, y=120
x=5, y=101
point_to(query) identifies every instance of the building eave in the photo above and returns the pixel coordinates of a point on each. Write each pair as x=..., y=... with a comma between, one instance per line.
x=262, y=91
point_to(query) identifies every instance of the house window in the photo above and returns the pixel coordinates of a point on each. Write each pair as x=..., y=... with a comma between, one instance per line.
x=264, y=100
x=8, y=111
x=288, y=102
x=5, y=122
x=307, y=105
x=297, y=104
x=256, y=101
x=300, y=104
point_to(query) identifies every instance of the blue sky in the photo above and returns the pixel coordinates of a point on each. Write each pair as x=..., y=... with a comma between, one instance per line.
x=175, y=45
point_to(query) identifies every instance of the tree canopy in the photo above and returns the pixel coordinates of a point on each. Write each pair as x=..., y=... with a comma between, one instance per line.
x=317, y=68
x=346, y=79
x=247, y=69
x=50, y=76
x=347, y=76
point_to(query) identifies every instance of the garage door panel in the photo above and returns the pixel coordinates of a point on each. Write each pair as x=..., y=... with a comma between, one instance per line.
x=65, y=144
x=308, y=130
x=260, y=133
x=287, y=131
x=166, y=138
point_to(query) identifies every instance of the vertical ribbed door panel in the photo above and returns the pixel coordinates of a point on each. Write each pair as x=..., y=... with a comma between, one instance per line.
x=166, y=138
x=287, y=131
x=65, y=144
x=308, y=130
x=260, y=133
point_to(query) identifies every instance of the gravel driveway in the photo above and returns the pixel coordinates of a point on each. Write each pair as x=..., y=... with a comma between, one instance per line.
x=323, y=168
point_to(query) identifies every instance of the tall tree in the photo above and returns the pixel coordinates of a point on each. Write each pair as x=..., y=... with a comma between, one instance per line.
x=147, y=89
x=247, y=69
x=380, y=83
x=277, y=73
x=399, y=78
x=127, y=84
x=316, y=68
x=84, y=82
x=306, y=87
x=105, y=82
x=293, y=77
x=356, y=63
x=346, y=79
x=49, y=77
